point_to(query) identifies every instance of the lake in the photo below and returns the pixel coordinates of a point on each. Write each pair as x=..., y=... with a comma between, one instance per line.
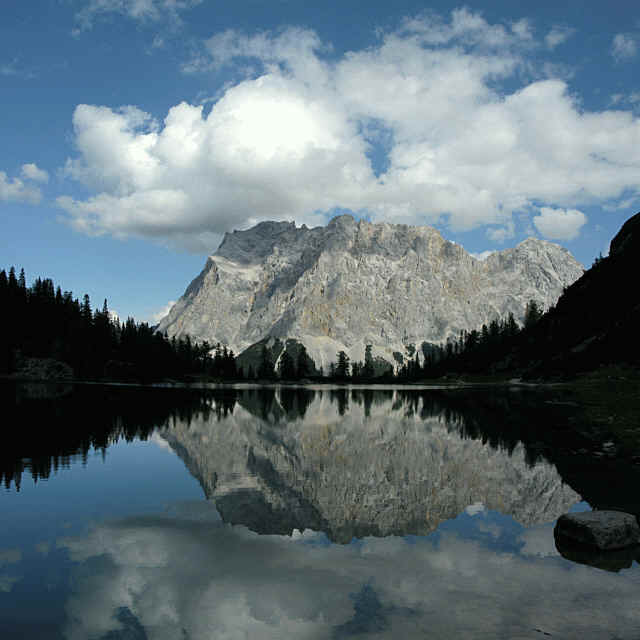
x=313, y=512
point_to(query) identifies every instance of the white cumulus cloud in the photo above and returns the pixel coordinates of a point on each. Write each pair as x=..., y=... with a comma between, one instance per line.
x=418, y=129
x=31, y=171
x=559, y=224
x=158, y=315
x=15, y=190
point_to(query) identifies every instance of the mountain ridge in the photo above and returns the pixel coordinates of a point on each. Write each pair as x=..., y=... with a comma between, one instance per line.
x=353, y=283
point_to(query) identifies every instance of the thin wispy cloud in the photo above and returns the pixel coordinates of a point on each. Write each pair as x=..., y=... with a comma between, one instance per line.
x=632, y=98
x=16, y=69
x=624, y=47
x=9, y=68
x=140, y=10
x=500, y=235
x=558, y=35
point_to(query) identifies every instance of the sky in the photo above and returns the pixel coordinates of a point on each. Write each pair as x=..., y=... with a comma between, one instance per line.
x=135, y=133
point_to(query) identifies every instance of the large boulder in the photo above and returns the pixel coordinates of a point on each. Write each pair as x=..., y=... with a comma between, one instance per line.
x=602, y=530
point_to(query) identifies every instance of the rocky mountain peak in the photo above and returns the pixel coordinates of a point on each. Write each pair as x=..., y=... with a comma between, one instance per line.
x=354, y=283
x=253, y=245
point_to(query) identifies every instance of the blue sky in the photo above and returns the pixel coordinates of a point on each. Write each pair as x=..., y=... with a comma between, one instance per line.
x=134, y=133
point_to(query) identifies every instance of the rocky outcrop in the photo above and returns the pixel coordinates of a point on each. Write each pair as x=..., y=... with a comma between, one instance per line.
x=357, y=468
x=350, y=284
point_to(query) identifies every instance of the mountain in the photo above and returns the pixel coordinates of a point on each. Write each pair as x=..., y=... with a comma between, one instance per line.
x=354, y=283
x=358, y=464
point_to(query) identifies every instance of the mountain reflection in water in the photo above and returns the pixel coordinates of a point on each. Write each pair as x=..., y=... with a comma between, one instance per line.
x=358, y=463
x=288, y=448
x=407, y=513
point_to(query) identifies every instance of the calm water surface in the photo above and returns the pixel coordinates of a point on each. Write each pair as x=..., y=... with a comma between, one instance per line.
x=306, y=513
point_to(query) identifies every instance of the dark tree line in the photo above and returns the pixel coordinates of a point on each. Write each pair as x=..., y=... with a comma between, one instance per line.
x=287, y=366
x=593, y=323
x=65, y=422
x=485, y=350
x=42, y=321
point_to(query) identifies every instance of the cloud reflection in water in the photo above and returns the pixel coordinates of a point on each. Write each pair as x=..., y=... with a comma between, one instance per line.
x=186, y=574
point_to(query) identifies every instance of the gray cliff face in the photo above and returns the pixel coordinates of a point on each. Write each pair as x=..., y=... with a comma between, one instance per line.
x=378, y=470
x=350, y=284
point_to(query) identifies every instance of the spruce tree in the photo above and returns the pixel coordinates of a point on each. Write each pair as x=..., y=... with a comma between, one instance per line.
x=342, y=369
x=302, y=363
x=368, y=370
x=532, y=314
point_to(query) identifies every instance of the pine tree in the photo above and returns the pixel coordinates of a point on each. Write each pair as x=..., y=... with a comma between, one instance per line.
x=342, y=369
x=302, y=363
x=229, y=368
x=512, y=329
x=368, y=370
x=532, y=314
x=86, y=310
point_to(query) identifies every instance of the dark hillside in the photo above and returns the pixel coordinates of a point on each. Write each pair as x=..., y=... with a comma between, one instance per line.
x=597, y=319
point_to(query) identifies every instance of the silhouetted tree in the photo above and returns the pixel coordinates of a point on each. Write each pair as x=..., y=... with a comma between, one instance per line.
x=532, y=314
x=342, y=368
x=368, y=371
x=302, y=363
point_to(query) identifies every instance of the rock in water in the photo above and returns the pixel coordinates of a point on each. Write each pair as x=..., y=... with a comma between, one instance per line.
x=600, y=529
x=613, y=560
x=350, y=284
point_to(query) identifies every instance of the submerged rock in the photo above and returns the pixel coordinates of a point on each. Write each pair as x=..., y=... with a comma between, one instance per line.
x=603, y=530
x=613, y=560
